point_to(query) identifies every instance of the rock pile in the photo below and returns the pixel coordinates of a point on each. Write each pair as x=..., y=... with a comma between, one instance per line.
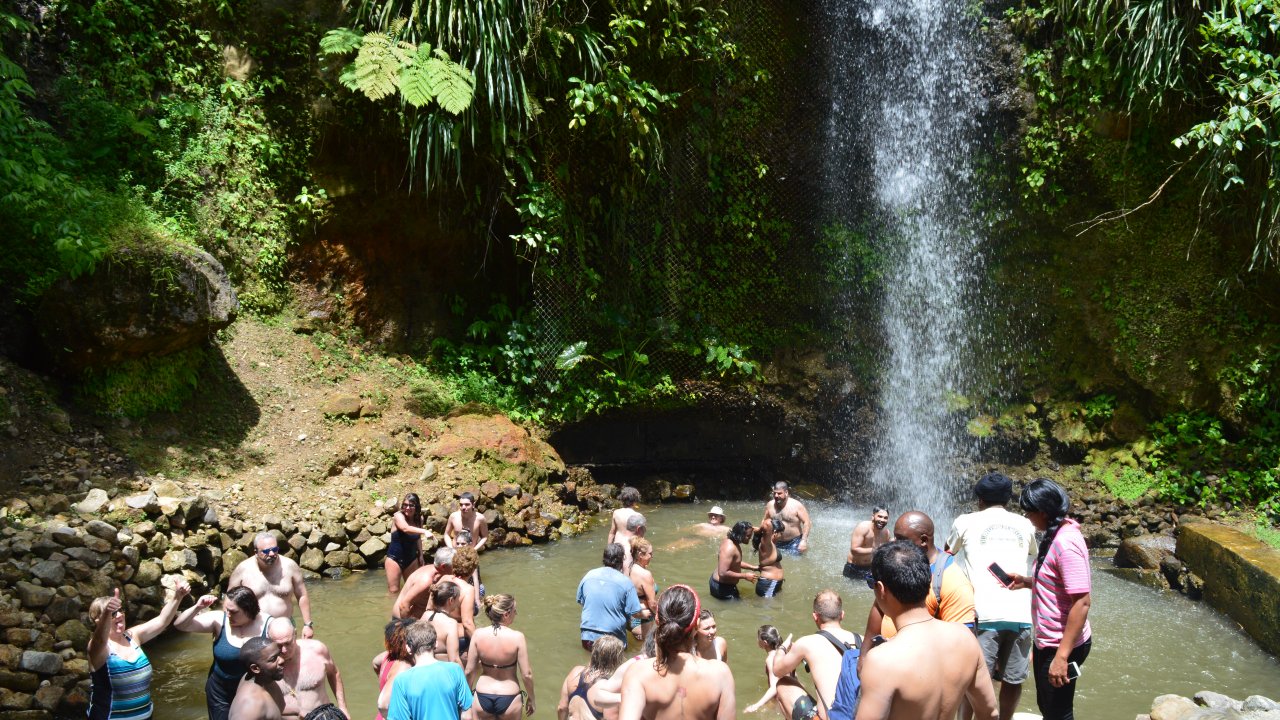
x=52, y=568
x=1212, y=706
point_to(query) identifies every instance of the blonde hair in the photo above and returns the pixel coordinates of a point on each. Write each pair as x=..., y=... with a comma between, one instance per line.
x=640, y=545
x=98, y=608
x=497, y=607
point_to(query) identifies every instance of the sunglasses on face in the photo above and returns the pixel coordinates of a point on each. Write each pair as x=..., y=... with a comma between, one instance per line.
x=269, y=551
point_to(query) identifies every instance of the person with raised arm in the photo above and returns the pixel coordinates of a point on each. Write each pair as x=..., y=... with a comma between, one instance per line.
x=120, y=672
x=823, y=651
x=239, y=620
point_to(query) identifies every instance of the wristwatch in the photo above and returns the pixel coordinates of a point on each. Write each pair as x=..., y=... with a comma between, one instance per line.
x=310, y=623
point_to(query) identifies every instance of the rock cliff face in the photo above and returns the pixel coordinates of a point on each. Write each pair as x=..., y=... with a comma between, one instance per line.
x=139, y=303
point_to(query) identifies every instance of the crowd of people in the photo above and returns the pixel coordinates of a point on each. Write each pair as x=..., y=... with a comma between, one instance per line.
x=993, y=606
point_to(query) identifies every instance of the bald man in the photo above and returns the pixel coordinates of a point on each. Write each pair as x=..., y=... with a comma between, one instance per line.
x=950, y=594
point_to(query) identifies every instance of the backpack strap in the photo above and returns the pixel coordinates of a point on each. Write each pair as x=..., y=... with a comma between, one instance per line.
x=839, y=644
x=937, y=580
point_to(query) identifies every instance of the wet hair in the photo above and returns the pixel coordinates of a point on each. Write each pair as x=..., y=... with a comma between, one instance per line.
x=98, y=608
x=904, y=569
x=328, y=711
x=444, y=591
x=414, y=500
x=879, y=509
x=465, y=561
x=393, y=639
x=769, y=635
x=251, y=651
x=635, y=522
x=244, y=599
x=497, y=606
x=705, y=614
x=444, y=555
x=421, y=638
x=775, y=524
x=828, y=605
x=606, y=656
x=677, y=607
x=463, y=536
x=629, y=496
x=782, y=485
x=741, y=531
x=613, y=556
x=468, y=497
x=640, y=545
x=1046, y=496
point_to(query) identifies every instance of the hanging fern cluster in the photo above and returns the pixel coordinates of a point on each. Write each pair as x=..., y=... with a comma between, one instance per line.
x=385, y=63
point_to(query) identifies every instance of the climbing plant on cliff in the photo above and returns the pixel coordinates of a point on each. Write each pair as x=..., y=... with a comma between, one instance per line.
x=1212, y=64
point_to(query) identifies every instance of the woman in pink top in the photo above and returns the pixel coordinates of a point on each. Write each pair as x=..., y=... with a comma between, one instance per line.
x=1061, y=585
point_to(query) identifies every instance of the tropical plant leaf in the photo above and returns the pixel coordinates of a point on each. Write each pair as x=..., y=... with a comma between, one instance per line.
x=416, y=86
x=570, y=357
x=454, y=85
x=377, y=66
x=340, y=41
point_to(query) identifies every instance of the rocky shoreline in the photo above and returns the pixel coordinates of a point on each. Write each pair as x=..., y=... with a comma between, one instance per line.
x=1208, y=705
x=56, y=557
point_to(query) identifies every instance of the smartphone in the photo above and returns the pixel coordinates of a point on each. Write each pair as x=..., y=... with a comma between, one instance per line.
x=1073, y=670
x=1004, y=577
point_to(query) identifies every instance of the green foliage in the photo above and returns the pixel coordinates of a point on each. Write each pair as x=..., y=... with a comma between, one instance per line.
x=1097, y=410
x=429, y=396
x=1252, y=380
x=1127, y=483
x=1112, y=59
x=137, y=388
x=384, y=63
x=1199, y=462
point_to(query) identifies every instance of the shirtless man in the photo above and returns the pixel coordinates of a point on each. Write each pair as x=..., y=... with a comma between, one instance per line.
x=866, y=537
x=823, y=650
x=729, y=565
x=618, y=533
x=307, y=666
x=276, y=580
x=714, y=526
x=677, y=683
x=636, y=528
x=415, y=596
x=466, y=518
x=929, y=667
x=796, y=526
x=259, y=697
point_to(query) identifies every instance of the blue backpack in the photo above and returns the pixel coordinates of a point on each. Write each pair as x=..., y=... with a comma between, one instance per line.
x=848, y=687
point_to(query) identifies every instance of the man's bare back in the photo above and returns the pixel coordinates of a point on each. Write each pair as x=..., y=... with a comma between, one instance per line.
x=923, y=673
x=618, y=532
x=691, y=688
x=822, y=657
x=416, y=593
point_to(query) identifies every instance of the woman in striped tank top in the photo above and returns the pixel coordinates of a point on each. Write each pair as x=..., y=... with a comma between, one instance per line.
x=121, y=672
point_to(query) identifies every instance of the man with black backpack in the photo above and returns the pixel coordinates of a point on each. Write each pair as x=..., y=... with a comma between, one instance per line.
x=823, y=651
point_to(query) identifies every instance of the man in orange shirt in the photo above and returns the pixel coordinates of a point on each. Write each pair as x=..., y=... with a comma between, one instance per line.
x=950, y=596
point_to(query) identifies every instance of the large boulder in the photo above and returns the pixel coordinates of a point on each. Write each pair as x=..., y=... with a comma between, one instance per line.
x=1144, y=552
x=140, y=302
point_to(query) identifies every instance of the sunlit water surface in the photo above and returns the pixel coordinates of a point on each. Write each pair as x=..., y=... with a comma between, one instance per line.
x=1146, y=643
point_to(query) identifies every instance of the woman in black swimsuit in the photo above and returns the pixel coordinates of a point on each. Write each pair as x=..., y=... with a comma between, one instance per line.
x=404, y=554
x=491, y=665
x=769, y=564
x=606, y=656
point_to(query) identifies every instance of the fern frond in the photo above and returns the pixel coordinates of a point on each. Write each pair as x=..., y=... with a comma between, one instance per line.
x=348, y=77
x=340, y=41
x=454, y=85
x=416, y=86
x=377, y=66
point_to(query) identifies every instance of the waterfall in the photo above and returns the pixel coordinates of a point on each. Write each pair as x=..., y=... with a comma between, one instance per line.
x=903, y=134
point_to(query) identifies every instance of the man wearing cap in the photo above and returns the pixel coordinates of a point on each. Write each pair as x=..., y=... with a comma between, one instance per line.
x=714, y=526
x=995, y=535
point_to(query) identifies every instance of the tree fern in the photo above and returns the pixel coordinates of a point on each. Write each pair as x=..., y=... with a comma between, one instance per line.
x=454, y=85
x=378, y=64
x=340, y=41
x=416, y=84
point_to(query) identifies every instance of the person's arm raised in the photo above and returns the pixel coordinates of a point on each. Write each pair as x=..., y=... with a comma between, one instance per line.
x=195, y=620
x=156, y=625
x=99, y=642
x=787, y=662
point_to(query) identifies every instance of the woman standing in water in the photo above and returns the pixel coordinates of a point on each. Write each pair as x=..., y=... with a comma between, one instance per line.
x=395, y=659
x=1062, y=587
x=404, y=554
x=793, y=700
x=769, y=564
x=677, y=683
x=120, y=671
x=493, y=661
x=707, y=644
x=606, y=656
x=646, y=589
x=237, y=621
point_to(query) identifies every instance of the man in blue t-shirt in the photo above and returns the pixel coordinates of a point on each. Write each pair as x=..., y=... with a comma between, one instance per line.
x=608, y=599
x=431, y=689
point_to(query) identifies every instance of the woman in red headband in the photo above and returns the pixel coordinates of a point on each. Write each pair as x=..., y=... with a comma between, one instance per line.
x=677, y=683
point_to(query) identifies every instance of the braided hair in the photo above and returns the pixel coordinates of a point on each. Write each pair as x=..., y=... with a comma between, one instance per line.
x=1046, y=496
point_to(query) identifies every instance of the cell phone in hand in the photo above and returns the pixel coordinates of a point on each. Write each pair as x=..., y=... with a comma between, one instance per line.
x=1073, y=670
x=1005, y=578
